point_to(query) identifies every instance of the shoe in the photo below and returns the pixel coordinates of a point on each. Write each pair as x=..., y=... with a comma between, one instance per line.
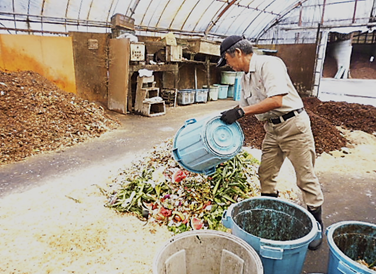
x=316, y=243
x=275, y=195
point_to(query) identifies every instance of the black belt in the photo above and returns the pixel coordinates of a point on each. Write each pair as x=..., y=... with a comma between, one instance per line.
x=286, y=116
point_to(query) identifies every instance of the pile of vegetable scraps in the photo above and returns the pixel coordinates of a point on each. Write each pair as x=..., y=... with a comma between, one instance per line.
x=155, y=188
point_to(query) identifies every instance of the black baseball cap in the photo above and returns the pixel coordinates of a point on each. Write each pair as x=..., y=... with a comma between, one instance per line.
x=225, y=45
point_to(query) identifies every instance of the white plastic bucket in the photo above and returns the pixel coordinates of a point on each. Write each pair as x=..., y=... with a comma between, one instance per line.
x=207, y=252
x=228, y=77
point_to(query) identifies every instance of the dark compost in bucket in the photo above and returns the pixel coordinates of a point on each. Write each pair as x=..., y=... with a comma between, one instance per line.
x=273, y=221
x=356, y=241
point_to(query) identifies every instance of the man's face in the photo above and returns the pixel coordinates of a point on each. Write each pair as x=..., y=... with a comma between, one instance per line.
x=235, y=62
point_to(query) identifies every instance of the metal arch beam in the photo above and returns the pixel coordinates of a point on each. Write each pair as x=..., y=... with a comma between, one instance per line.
x=109, y=10
x=261, y=11
x=172, y=21
x=213, y=22
x=189, y=15
x=246, y=8
x=88, y=13
x=146, y=11
x=199, y=20
x=160, y=16
x=276, y=20
x=133, y=9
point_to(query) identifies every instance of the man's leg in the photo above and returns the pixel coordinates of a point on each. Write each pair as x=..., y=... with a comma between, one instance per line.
x=271, y=161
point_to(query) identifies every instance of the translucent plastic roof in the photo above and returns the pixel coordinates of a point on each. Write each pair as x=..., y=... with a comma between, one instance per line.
x=205, y=18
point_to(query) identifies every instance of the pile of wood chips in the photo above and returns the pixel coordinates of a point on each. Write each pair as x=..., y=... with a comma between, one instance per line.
x=36, y=116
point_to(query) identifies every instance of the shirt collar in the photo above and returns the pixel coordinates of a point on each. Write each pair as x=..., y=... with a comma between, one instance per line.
x=252, y=63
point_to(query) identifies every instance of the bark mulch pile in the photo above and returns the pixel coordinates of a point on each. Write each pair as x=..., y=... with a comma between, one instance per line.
x=36, y=116
x=325, y=118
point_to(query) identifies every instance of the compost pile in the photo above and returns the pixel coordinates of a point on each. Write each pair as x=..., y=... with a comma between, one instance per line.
x=325, y=117
x=36, y=116
x=155, y=188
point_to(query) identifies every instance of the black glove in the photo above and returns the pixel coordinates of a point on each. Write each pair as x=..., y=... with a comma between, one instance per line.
x=230, y=116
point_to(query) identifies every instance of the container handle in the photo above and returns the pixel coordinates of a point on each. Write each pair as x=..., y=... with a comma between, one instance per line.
x=226, y=220
x=190, y=121
x=344, y=268
x=271, y=252
x=176, y=155
x=209, y=171
x=319, y=232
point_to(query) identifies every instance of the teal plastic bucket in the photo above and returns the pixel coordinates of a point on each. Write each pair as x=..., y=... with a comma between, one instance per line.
x=199, y=146
x=237, y=89
x=279, y=231
x=350, y=241
x=206, y=252
x=228, y=77
x=230, y=93
x=222, y=91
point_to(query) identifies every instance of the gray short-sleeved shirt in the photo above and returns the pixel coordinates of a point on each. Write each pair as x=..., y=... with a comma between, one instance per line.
x=268, y=77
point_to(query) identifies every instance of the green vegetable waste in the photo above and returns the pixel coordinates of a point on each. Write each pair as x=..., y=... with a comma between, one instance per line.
x=156, y=189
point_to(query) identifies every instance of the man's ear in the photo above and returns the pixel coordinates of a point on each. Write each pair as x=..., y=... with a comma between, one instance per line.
x=238, y=52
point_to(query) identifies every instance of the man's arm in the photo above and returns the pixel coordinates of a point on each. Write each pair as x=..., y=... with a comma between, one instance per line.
x=265, y=105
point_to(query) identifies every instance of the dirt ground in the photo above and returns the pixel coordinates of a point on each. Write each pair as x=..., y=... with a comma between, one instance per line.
x=43, y=231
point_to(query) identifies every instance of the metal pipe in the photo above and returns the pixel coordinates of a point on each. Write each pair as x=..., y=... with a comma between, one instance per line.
x=355, y=6
x=212, y=23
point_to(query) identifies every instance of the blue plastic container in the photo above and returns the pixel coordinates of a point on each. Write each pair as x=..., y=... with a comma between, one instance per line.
x=237, y=89
x=349, y=241
x=222, y=91
x=279, y=231
x=230, y=93
x=186, y=96
x=199, y=146
x=201, y=95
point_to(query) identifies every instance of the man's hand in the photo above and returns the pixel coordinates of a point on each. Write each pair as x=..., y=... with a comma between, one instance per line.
x=230, y=116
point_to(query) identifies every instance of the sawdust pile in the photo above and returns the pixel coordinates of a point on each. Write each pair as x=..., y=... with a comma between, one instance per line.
x=36, y=116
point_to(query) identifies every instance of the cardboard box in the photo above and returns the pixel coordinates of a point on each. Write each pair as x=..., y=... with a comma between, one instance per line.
x=174, y=53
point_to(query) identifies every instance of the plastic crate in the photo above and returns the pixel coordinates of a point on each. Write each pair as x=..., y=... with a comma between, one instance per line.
x=201, y=95
x=186, y=96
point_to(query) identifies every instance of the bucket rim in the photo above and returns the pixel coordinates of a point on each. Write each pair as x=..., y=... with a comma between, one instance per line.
x=276, y=243
x=335, y=249
x=207, y=232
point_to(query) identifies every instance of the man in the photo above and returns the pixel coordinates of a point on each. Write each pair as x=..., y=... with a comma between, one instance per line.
x=268, y=93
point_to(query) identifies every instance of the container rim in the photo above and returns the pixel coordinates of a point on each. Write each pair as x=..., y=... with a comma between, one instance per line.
x=292, y=243
x=208, y=232
x=335, y=249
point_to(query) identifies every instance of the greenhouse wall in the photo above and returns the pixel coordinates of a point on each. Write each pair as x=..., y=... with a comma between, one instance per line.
x=49, y=56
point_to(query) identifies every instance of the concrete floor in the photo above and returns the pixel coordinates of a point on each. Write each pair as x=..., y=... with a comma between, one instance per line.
x=345, y=196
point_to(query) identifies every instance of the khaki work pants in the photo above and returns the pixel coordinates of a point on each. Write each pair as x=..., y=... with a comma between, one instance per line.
x=292, y=139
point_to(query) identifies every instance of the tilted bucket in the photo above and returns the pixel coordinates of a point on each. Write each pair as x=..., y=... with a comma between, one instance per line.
x=199, y=146
x=207, y=252
x=350, y=241
x=279, y=231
